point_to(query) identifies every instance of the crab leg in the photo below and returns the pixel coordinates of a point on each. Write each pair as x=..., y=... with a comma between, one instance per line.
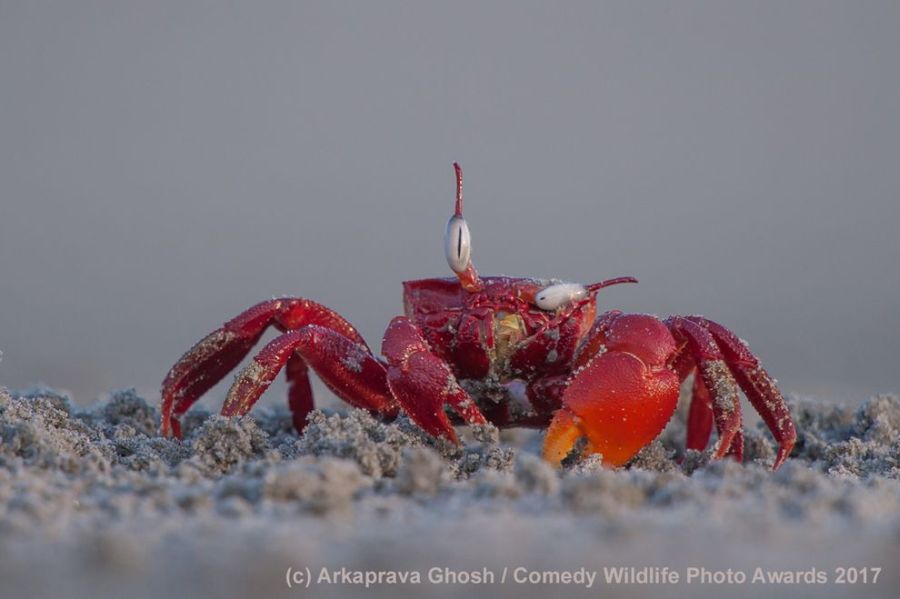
x=205, y=364
x=717, y=380
x=756, y=384
x=700, y=413
x=347, y=367
x=423, y=383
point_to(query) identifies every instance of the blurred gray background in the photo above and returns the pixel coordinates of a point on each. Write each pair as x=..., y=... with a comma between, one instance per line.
x=164, y=165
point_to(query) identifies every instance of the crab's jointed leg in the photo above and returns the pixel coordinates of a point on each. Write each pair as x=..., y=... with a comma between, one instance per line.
x=717, y=381
x=700, y=413
x=422, y=383
x=700, y=416
x=348, y=368
x=757, y=385
x=210, y=359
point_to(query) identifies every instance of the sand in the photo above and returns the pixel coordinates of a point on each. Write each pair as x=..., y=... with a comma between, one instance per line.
x=94, y=504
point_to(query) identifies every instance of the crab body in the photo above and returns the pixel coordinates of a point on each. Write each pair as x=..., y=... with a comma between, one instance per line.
x=496, y=332
x=504, y=350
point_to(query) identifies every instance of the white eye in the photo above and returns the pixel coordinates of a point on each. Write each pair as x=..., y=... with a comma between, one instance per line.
x=556, y=296
x=457, y=244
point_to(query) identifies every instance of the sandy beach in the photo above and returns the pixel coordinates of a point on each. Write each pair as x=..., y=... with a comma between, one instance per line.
x=93, y=503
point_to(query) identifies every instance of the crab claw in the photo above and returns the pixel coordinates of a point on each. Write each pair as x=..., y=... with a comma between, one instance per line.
x=617, y=403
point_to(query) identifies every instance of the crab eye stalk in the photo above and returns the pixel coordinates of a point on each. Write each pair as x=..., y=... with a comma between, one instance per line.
x=556, y=296
x=458, y=244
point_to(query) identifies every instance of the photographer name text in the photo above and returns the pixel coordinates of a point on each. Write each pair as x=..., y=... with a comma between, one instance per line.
x=304, y=577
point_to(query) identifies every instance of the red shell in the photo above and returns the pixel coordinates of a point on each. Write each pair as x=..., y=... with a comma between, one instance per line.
x=460, y=326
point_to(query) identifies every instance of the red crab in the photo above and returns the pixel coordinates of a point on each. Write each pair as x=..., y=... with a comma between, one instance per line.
x=510, y=351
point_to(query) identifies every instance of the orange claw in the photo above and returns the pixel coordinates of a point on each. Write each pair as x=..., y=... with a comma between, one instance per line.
x=563, y=434
x=618, y=403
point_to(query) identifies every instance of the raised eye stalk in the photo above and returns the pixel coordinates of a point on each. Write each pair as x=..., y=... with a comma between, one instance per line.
x=458, y=242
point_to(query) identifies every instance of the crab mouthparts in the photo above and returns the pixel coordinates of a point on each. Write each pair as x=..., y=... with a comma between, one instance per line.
x=610, y=282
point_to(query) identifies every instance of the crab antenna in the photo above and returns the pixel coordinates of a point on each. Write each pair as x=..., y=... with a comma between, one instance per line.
x=459, y=200
x=609, y=282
